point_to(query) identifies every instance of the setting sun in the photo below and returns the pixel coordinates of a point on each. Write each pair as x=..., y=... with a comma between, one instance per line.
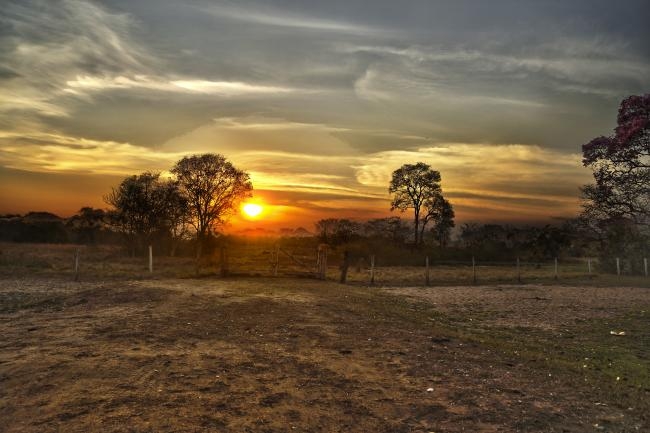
x=252, y=210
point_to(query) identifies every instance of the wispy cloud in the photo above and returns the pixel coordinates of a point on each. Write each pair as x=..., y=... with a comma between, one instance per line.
x=321, y=101
x=487, y=174
x=566, y=64
x=51, y=41
x=289, y=19
x=75, y=48
x=225, y=88
x=503, y=178
x=57, y=153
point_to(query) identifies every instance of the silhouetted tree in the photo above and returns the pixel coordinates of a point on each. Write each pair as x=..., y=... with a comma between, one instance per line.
x=175, y=217
x=144, y=206
x=470, y=236
x=212, y=187
x=88, y=223
x=413, y=186
x=392, y=228
x=337, y=230
x=441, y=213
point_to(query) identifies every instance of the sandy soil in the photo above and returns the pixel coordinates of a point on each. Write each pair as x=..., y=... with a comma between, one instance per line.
x=284, y=355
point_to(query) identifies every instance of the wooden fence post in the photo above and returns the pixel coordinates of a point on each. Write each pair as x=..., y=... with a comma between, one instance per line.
x=645, y=266
x=589, y=266
x=473, y=270
x=276, y=263
x=518, y=271
x=618, y=267
x=224, y=271
x=76, y=264
x=150, y=259
x=344, y=267
x=372, y=270
x=426, y=264
x=321, y=262
x=556, y=275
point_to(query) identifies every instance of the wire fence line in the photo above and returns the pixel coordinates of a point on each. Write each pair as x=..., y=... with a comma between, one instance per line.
x=79, y=262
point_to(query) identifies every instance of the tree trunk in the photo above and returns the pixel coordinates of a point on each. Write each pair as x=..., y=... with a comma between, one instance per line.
x=199, y=249
x=417, y=226
x=424, y=224
x=344, y=267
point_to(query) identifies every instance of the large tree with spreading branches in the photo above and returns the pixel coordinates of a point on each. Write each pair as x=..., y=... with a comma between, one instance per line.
x=617, y=205
x=145, y=206
x=213, y=188
x=417, y=187
x=621, y=166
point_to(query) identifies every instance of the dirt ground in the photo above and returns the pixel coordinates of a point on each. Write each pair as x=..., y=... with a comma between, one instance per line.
x=284, y=355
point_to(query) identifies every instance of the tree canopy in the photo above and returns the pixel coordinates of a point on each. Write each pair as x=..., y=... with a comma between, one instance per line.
x=621, y=166
x=212, y=187
x=143, y=206
x=417, y=187
x=616, y=206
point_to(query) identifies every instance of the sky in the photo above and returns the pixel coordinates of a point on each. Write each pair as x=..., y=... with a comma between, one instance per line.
x=318, y=101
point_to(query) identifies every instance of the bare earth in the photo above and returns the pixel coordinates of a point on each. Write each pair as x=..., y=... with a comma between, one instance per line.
x=284, y=355
x=535, y=306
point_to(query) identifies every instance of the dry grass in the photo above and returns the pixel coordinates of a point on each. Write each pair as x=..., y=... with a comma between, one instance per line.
x=276, y=355
x=256, y=259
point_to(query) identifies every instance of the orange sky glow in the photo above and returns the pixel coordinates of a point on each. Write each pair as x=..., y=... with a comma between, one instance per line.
x=319, y=102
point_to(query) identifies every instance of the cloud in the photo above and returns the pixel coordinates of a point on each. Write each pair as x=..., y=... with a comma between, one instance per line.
x=596, y=66
x=261, y=136
x=224, y=88
x=322, y=99
x=506, y=177
x=493, y=176
x=50, y=41
x=59, y=50
x=55, y=153
x=289, y=19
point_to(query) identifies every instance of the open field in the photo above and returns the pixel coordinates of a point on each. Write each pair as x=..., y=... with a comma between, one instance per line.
x=281, y=354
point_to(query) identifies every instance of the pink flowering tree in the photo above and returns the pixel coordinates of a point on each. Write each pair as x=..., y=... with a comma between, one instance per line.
x=621, y=166
x=617, y=205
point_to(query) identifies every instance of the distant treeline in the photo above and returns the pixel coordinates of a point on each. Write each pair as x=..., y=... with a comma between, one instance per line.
x=389, y=239
x=89, y=227
x=392, y=238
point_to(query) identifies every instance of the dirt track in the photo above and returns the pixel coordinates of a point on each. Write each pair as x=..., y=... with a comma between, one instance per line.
x=276, y=355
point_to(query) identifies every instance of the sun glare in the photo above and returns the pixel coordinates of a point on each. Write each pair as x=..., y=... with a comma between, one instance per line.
x=252, y=210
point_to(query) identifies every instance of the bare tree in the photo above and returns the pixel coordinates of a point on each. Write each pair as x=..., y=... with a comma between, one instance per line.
x=212, y=187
